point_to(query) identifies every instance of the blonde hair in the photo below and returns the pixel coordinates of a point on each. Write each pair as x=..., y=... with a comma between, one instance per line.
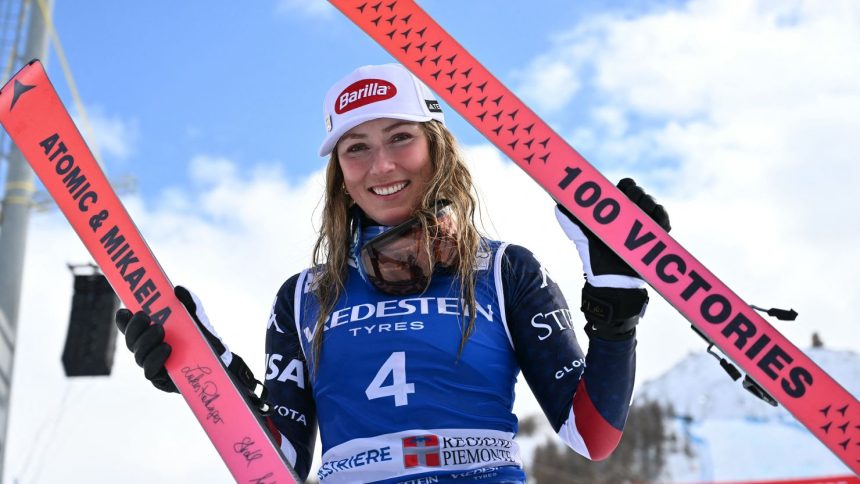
x=451, y=181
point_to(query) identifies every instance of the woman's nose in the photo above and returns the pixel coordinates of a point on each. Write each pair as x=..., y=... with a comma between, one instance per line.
x=383, y=161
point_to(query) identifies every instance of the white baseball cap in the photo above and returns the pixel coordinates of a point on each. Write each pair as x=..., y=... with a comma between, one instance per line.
x=374, y=92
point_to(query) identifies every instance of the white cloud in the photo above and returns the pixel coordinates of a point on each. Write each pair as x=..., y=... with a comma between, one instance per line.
x=549, y=84
x=114, y=137
x=707, y=59
x=310, y=8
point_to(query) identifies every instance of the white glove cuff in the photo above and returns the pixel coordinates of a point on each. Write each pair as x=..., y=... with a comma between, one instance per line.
x=579, y=238
x=227, y=356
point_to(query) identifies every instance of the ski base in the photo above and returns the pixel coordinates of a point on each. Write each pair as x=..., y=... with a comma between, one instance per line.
x=38, y=123
x=412, y=37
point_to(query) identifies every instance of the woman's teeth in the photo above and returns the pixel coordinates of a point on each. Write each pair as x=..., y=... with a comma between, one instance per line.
x=389, y=189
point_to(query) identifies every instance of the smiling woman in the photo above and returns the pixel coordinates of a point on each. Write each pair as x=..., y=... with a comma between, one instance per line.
x=405, y=336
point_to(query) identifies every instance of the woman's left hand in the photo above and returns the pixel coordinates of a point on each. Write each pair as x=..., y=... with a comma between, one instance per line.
x=614, y=297
x=603, y=268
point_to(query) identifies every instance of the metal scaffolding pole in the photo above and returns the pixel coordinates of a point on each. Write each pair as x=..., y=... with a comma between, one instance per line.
x=14, y=218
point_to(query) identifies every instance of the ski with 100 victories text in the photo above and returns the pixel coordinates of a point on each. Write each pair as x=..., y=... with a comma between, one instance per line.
x=38, y=123
x=810, y=394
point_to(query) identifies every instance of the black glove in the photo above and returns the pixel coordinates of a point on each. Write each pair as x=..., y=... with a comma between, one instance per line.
x=146, y=341
x=614, y=296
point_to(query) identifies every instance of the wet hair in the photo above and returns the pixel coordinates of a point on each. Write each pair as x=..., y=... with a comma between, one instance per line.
x=451, y=181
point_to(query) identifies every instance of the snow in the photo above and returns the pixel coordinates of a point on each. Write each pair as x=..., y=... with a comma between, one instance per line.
x=697, y=387
x=749, y=449
x=735, y=436
x=732, y=435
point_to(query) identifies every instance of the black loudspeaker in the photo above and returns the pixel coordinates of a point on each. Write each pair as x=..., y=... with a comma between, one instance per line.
x=91, y=339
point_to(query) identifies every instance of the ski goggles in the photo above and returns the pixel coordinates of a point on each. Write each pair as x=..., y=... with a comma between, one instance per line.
x=399, y=261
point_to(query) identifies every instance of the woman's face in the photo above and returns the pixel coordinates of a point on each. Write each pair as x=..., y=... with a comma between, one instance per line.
x=386, y=167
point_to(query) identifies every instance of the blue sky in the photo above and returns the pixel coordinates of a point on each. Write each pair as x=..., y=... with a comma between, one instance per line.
x=247, y=81
x=741, y=117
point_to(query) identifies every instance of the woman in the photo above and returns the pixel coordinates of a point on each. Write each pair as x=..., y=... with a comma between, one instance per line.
x=405, y=337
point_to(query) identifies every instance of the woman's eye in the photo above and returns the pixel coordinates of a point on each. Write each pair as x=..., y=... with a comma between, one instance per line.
x=401, y=137
x=356, y=148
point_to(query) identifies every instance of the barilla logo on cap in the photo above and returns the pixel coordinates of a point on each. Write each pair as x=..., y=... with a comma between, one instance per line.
x=364, y=92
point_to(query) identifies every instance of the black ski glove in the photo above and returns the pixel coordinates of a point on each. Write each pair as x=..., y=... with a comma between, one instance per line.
x=614, y=297
x=146, y=341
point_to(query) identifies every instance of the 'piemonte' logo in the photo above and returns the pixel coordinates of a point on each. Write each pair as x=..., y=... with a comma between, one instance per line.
x=364, y=92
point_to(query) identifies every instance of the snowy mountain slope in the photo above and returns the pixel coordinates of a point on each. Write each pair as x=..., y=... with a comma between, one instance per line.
x=698, y=388
x=724, y=434
x=734, y=436
x=740, y=450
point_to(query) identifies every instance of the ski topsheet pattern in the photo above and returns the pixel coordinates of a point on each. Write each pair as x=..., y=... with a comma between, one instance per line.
x=421, y=45
x=40, y=126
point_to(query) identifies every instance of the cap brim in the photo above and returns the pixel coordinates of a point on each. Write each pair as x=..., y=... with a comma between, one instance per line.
x=335, y=134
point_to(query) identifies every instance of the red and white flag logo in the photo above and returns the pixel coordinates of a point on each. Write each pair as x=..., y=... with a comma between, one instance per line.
x=421, y=450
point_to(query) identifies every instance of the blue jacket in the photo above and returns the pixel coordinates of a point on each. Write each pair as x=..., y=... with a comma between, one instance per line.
x=396, y=401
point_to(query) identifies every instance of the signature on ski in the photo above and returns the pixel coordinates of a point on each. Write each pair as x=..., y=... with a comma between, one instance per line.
x=244, y=448
x=262, y=480
x=207, y=389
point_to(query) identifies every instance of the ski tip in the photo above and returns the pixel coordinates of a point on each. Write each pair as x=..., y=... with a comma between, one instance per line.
x=8, y=82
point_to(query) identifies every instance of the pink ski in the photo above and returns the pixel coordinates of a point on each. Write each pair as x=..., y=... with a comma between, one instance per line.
x=40, y=126
x=811, y=395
